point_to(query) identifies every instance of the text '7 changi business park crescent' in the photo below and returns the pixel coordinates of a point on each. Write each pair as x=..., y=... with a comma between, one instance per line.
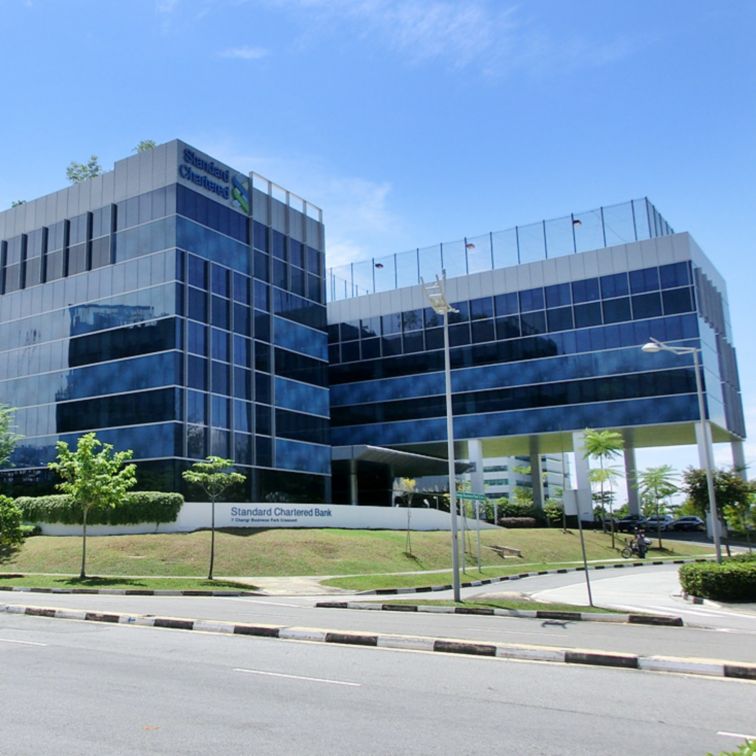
x=180, y=308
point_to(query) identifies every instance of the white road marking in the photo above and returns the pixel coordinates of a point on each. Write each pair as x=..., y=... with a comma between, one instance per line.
x=298, y=677
x=738, y=735
x=23, y=643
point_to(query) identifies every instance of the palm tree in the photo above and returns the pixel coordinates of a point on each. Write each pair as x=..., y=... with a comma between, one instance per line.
x=603, y=445
x=657, y=483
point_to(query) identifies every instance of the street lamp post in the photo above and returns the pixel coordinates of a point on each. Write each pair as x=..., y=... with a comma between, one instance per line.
x=654, y=346
x=437, y=298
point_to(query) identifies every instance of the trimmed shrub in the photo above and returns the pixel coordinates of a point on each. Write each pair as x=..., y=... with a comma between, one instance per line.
x=137, y=507
x=733, y=580
x=518, y=522
x=10, y=523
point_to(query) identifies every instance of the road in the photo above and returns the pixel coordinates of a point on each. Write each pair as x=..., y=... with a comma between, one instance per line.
x=81, y=688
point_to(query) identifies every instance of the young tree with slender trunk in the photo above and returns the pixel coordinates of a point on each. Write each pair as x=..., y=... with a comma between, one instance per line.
x=93, y=479
x=603, y=445
x=213, y=477
x=657, y=483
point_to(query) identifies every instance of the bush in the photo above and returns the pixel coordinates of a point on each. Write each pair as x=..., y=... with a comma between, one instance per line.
x=137, y=507
x=733, y=580
x=10, y=523
x=518, y=522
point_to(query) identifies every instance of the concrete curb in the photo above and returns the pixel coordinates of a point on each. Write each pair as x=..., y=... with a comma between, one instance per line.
x=703, y=667
x=635, y=619
x=127, y=591
x=520, y=575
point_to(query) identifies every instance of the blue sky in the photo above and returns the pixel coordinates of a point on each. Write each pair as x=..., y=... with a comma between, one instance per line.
x=415, y=121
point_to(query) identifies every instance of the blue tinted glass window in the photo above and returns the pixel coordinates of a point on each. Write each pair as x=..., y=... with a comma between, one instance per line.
x=242, y=449
x=350, y=351
x=413, y=342
x=261, y=325
x=371, y=348
x=263, y=447
x=412, y=320
x=262, y=356
x=482, y=330
x=241, y=288
x=196, y=271
x=434, y=338
x=243, y=416
x=280, y=275
x=196, y=410
x=197, y=305
x=297, y=281
x=220, y=281
x=220, y=345
x=261, y=236
x=459, y=334
x=481, y=308
x=559, y=319
x=531, y=299
x=261, y=298
x=314, y=260
x=587, y=314
x=242, y=319
x=646, y=305
x=431, y=318
x=614, y=286
x=644, y=280
x=220, y=411
x=463, y=312
x=532, y=323
x=220, y=312
x=261, y=266
x=262, y=390
x=197, y=373
x=508, y=327
x=558, y=295
x=507, y=304
x=220, y=378
x=195, y=439
x=241, y=351
x=219, y=442
x=391, y=323
x=370, y=327
x=279, y=244
x=391, y=345
x=296, y=253
x=586, y=290
x=677, y=300
x=616, y=310
x=676, y=274
x=197, y=338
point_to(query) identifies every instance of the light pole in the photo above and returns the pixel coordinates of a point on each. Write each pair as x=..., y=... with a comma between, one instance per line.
x=654, y=346
x=437, y=298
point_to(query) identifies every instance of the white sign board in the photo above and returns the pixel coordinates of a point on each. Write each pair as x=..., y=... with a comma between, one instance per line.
x=196, y=515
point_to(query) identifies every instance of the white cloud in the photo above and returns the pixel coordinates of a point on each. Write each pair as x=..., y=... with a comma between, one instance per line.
x=244, y=53
x=495, y=37
x=166, y=6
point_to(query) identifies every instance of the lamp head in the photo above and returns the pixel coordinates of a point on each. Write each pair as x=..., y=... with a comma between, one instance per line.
x=651, y=347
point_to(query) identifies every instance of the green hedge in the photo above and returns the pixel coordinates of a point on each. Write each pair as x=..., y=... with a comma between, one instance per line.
x=733, y=580
x=137, y=507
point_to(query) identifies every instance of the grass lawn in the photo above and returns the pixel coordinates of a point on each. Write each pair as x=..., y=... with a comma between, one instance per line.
x=153, y=584
x=278, y=552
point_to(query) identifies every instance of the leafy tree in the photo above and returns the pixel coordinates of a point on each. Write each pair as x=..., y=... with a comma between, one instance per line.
x=145, y=145
x=741, y=515
x=603, y=445
x=8, y=438
x=730, y=491
x=93, y=479
x=213, y=478
x=10, y=526
x=16, y=203
x=657, y=483
x=78, y=172
x=523, y=496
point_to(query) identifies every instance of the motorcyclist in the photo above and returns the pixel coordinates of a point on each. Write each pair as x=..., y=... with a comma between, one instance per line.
x=640, y=544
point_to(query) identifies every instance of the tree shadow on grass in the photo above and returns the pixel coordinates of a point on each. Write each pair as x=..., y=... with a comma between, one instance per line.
x=99, y=582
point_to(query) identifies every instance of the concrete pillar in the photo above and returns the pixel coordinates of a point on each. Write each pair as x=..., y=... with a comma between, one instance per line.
x=353, y=487
x=738, y=459
x=475, y=455
x=583, y=491
x=631, y=477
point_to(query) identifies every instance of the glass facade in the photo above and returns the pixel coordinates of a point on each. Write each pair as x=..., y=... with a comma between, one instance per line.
x=546, y=359
x=177, y=325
